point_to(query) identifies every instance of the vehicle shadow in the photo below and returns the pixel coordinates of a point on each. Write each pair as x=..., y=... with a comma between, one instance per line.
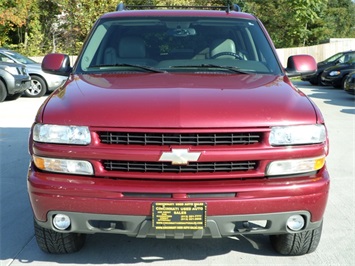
x=119, y=249
x=329, y=95
x=15, y=210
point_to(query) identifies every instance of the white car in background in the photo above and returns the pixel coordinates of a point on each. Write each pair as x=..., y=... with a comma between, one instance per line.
x=41, y=82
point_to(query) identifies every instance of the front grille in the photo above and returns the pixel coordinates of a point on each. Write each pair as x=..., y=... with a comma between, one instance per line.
x=125, y=138
x=165, y=167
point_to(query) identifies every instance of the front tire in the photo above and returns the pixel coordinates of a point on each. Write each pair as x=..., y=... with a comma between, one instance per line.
x=298, y=243
x=53, y=242
x=314, y=83
x=38, y=87
x=343, y=82
x=319, y=79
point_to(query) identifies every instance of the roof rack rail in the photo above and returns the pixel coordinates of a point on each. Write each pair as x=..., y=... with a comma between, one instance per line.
x=228, y=7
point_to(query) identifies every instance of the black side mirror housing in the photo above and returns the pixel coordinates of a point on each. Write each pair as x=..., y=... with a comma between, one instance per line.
x=58, y=64
x=300, y=65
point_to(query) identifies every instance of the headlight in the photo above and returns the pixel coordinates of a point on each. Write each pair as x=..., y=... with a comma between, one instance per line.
x=78, y=135
x=295, y=166
x=12, y=70
x=334, y=73
x=295, y=135
x=77, y=167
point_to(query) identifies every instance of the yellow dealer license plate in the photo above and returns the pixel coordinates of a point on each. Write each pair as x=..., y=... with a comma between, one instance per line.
x=179, y=215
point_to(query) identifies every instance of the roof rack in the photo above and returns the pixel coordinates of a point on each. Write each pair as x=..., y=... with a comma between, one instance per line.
x=228, y=7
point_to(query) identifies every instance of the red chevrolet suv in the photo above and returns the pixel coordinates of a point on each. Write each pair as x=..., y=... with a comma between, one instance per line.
x=178, y=123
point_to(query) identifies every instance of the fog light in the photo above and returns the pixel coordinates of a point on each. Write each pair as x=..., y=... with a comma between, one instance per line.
x=295, y=222
x=61, y=221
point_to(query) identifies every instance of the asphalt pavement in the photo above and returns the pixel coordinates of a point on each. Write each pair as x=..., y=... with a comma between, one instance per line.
x=18, y=245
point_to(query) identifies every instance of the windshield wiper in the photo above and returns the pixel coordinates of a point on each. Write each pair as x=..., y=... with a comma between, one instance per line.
x=146, y=68
x=229, y=68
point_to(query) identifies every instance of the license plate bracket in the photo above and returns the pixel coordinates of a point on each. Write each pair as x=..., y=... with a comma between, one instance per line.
x=179, y=215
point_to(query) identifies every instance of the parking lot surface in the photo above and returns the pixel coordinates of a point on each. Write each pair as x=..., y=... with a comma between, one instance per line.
x=18, y=245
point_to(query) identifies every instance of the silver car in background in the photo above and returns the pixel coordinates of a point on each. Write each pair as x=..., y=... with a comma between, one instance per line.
x=41, y=82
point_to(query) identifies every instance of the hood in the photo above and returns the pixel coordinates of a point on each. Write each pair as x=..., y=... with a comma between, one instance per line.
x=167, y=100
x=323, y=65
x=10, y=64
x=34, y=68
x=340, y=67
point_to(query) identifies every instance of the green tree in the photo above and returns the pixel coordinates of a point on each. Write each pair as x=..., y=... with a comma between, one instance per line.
x=293, y=23
x=339, y=19
x=13, y=15
x=78, y=17
x=49, y=18
x=20, y=21
x=288, y=21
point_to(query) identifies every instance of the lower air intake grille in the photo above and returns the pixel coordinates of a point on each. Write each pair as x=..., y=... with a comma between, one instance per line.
x=193, y=167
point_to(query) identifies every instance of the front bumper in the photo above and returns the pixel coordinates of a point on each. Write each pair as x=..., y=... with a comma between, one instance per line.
x=216, y=226
x=331, y=81
x=17, y=83
x=312, y=77
x=91, y=202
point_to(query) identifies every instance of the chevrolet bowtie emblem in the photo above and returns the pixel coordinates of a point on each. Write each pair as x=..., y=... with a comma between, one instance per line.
x=179, y=156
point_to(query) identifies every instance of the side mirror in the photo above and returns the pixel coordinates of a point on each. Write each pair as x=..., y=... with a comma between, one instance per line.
x=300, y=64
x=58, y=64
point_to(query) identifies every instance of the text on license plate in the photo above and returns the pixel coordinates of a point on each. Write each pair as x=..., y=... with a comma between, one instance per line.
x=179, y=215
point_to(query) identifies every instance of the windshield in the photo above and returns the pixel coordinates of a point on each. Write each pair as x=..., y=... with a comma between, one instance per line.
x=20, y=58
x=333, y=58
x=341, y=58
x=181, y=44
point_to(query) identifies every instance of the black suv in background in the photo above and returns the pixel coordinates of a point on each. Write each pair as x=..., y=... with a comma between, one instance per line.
x=339, y=58
x=337, y=75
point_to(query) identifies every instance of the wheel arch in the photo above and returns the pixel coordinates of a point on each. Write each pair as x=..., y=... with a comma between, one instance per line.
x=3, y=81
x=6, y=92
